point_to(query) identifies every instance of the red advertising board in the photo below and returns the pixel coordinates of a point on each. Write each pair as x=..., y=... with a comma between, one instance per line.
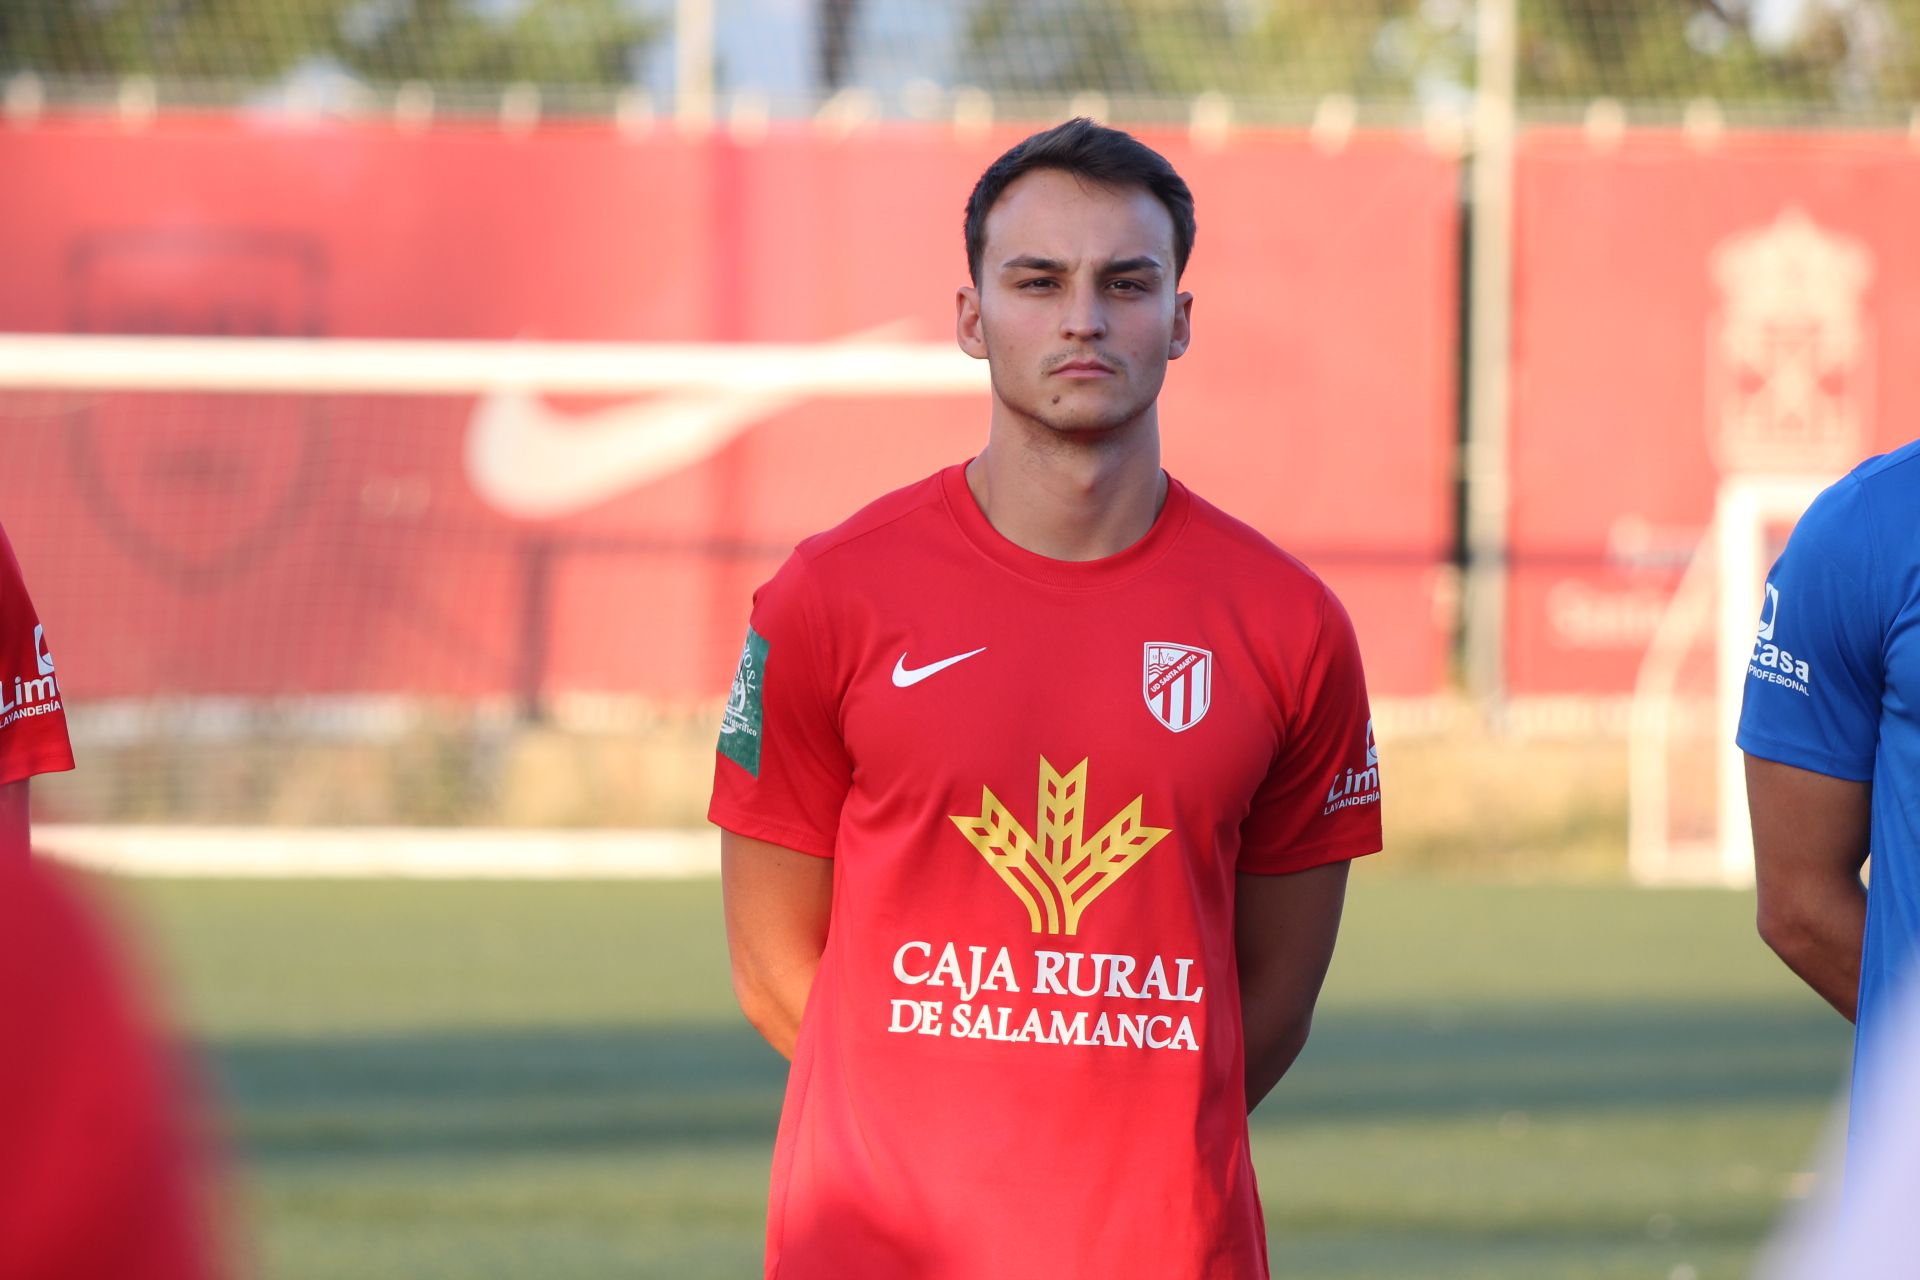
x=1685, y=313
x=253, y=545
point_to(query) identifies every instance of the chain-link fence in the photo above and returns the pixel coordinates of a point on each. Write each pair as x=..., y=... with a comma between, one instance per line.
x=1783, y=60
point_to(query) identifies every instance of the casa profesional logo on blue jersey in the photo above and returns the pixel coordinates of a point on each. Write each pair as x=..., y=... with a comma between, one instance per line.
x=1770, y=662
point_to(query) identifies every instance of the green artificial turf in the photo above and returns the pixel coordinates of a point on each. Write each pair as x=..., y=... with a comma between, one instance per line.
x=532, y=1079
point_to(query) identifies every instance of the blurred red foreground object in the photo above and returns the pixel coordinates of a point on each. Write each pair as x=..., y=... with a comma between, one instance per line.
x=97, y=1181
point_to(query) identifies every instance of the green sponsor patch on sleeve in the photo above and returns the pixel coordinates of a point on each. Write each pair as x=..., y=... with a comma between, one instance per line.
x=740, y=726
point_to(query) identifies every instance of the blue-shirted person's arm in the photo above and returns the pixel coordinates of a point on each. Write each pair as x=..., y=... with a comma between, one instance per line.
x=1809, y=725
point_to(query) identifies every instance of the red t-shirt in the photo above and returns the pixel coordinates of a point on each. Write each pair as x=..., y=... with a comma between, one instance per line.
x=33, y=723
x=1022, y=1054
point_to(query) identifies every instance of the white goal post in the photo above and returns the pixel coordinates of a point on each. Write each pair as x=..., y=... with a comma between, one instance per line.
x=1686, y=824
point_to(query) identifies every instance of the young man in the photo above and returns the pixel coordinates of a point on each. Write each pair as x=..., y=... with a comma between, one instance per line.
x=1038, y=783
x=1831, y=730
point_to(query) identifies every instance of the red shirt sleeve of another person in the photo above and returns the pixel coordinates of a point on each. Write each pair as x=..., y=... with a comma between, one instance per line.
x=1320, y=802
x=33, y=717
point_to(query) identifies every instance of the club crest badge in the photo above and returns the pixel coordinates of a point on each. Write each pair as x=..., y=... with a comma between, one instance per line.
x=1177, y=682
x=1790, y=358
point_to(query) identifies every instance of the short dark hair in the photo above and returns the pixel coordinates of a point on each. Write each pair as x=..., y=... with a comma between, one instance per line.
x=1096, y=153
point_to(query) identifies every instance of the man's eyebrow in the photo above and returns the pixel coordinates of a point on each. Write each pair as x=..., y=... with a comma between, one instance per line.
x=1029, y=262
x=1115, y=267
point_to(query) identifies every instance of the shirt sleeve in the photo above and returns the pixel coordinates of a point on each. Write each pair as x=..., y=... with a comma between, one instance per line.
x=33, y=718
x=781, y=772
x=1814, y=678
x=1320, y=801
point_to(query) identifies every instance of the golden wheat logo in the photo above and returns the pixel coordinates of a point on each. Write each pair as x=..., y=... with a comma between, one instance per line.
x=1058, y=873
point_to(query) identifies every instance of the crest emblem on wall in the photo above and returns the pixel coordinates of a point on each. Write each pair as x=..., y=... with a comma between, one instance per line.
x=1790, y=351
x=1177, y=682
x=200, y=487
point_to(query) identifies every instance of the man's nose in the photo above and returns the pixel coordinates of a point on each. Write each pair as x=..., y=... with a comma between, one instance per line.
x=1085, y=316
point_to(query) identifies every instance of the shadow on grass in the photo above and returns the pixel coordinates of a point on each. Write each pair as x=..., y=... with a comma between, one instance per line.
x=498, y=1092
x=1641, y=1057
x=697, y=1086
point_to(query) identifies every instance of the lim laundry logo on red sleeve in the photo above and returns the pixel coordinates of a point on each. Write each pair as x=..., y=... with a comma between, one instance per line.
x=1356, y=786
x=35, y=695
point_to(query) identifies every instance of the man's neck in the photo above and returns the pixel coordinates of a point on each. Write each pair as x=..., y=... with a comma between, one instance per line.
x=1067, y=498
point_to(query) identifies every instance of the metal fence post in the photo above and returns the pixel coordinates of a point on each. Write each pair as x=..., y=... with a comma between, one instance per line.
x=693, y=53
x=1490, y=329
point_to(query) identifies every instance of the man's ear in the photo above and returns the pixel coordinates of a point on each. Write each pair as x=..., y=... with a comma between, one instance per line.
x=968, y=330
x=1182, y=326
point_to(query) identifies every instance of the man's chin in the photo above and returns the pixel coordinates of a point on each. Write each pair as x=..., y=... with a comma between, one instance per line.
x=1088, y=432
x=1088, y=425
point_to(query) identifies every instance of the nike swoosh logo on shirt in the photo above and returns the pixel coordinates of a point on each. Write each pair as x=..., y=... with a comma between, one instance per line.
x=905, y=677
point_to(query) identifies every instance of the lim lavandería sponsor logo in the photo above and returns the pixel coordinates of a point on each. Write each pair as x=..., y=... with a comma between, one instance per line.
x=1356, y=786
x=38, y=695
x=1057, y=871
x=1770, y=662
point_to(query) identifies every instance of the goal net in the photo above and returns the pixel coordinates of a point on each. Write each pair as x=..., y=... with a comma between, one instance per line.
x=1686, y=785
x=335, y=583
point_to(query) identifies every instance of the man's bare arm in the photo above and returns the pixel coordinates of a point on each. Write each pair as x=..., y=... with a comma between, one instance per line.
x=777, y=903
x=1809, y=843
x=14, y=837
x=1284, y=929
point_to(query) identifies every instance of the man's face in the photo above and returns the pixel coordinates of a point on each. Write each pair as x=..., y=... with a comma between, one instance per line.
x=1076, y=308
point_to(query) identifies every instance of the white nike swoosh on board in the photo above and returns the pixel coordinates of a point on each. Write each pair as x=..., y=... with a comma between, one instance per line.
x=905, y=677
x=527, y=460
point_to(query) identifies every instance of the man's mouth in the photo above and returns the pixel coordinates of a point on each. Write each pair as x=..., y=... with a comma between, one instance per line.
x=1083, y=369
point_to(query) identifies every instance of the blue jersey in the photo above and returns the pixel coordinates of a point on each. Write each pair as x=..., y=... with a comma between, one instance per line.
x=1833, y=687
